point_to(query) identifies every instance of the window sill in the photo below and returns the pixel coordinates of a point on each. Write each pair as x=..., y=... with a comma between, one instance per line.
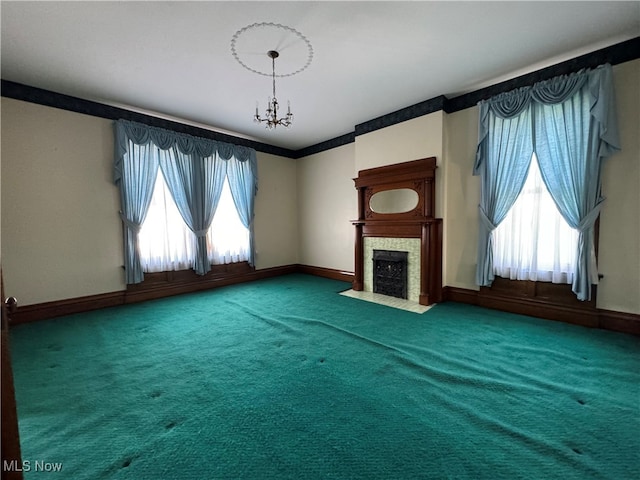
x=162, y=284
x=540, y=299
x=559, y=294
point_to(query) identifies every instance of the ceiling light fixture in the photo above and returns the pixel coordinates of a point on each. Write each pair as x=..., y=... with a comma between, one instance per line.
x=271, y=119
x=289, y=45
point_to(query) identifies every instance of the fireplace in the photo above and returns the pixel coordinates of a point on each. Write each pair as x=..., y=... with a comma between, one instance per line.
x=390, y=273
x=382, y=220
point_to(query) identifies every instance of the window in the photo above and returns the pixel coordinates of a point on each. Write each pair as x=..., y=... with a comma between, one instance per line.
x=570, y=123
x=534, y=242
x=166, y=243
x=195, y=171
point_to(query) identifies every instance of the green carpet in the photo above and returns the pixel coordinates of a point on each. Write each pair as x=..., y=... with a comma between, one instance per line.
x=285, y=379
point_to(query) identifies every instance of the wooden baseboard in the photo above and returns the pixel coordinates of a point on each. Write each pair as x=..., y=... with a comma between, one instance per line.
x=327, y=273
x=193, y=283
x=619, y=321
x=547, y=310
x=160, y=288
x=461, y=295
x=70, y=306
x=594, y=318
x=58, y=308
x=10, y=438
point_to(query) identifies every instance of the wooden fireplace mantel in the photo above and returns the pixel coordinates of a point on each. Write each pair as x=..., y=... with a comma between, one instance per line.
x=419, y=176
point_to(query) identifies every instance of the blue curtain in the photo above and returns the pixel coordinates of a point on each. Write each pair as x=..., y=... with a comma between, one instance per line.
x=576, y=130
x=242, y=174
x=135, y=174
x=502, y=160
x=194, y=169
x=195, y=184
x=570, y=123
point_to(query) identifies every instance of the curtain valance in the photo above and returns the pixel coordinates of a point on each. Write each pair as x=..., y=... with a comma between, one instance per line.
x=140, y=134
x=598, y=84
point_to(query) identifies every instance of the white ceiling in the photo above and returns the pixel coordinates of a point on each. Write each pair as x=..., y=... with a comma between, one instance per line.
x=173, y=59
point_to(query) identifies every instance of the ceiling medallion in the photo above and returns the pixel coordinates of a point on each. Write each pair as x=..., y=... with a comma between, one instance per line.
x=248, y=48
x=249, y=44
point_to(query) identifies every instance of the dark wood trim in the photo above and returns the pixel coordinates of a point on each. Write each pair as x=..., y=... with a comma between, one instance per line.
x=183, y=281
x=413, y=111
x=330, y=144
x=584, y=316
x=166, y=284
x=331, y=273
x=69, y=306
x=460, y=295
x=605, y=319
x=544, y=292
x=154, y=290
x=619, y=321
x=189, y=282
x=431, y=263
x=556, y=301
x=358, y=279
x=10, y=446
x=540, y=308
x=419, y=176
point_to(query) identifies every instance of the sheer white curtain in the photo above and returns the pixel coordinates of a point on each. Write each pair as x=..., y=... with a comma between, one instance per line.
x=166, y=243
x=534, y=242
x=227, y=238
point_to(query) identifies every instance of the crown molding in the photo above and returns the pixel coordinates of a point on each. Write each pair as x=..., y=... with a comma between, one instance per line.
x=402, y=115
x=327, y=145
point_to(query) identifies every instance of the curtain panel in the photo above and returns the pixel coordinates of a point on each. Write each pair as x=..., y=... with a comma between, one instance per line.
x=194, y=169
x=569, y=122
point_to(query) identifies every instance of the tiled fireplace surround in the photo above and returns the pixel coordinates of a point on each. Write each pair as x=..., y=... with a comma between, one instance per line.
x=409, y=245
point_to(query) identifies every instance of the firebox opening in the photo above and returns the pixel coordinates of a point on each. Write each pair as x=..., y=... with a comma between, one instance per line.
x=390, y=273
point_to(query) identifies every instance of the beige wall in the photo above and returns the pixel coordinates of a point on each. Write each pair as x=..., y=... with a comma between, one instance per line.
x=416, y=138
x=462, y=195
x=276, y=221
x=619, y=252
x=61, y=233
x=327, y=203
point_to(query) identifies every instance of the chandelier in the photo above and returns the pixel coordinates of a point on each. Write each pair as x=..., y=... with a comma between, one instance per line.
x=271, y=119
